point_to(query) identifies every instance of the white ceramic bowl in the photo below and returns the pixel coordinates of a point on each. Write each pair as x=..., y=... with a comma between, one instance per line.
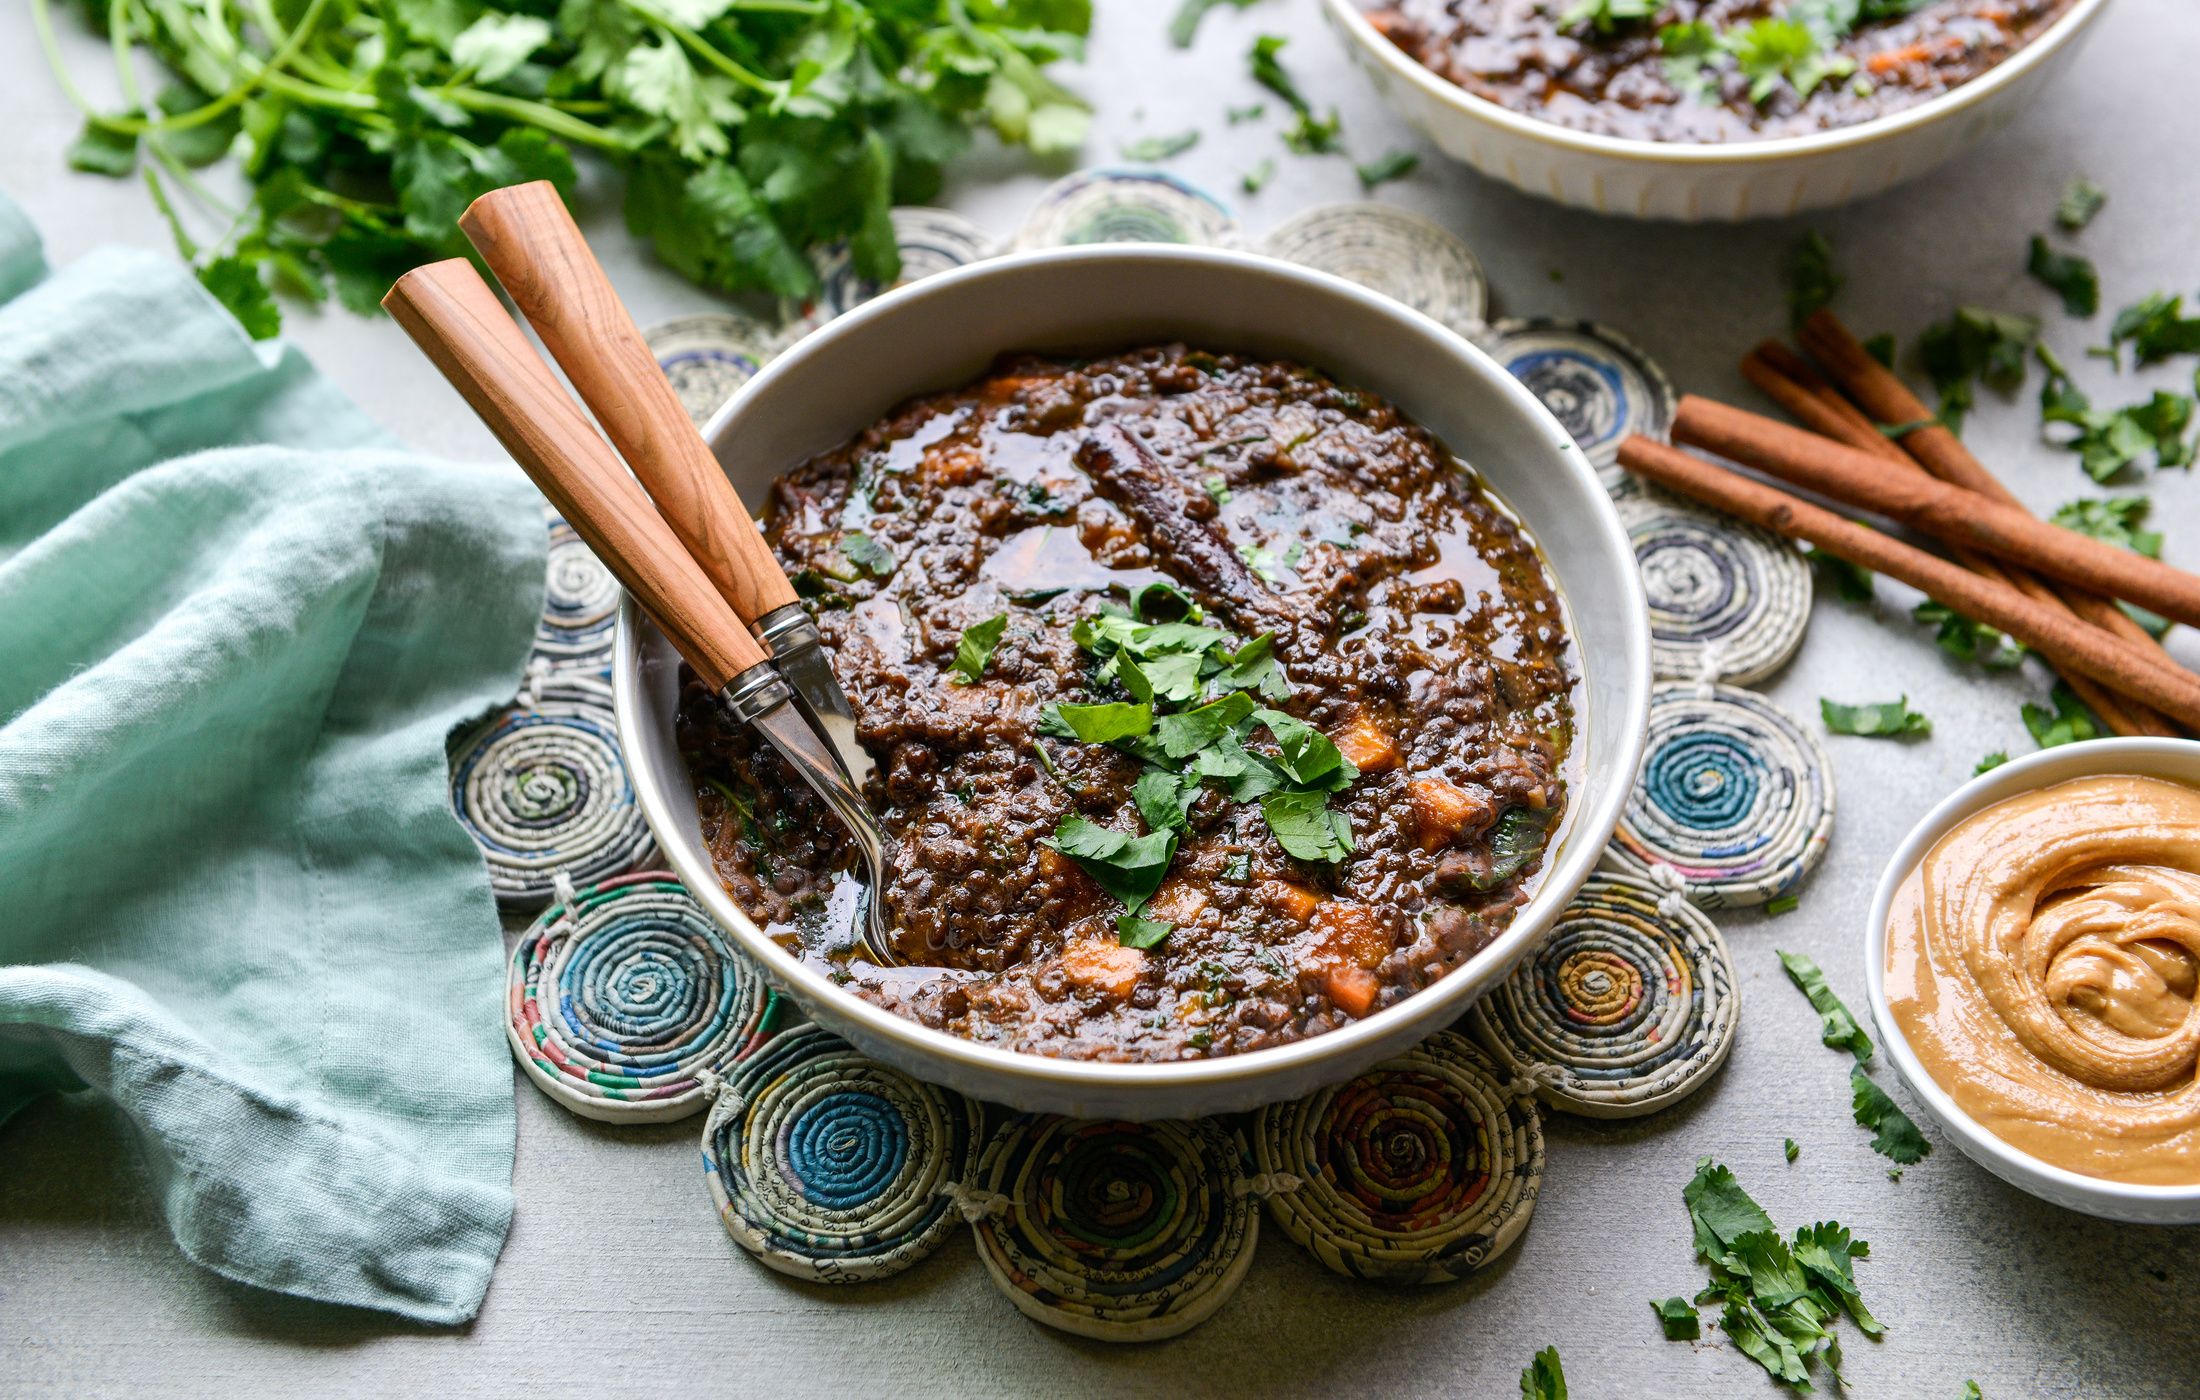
x=1697, y=181
x=943, y=332
x=2177, y=759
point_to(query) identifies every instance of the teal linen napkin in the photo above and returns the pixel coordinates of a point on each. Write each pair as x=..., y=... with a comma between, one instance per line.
x=236, y=624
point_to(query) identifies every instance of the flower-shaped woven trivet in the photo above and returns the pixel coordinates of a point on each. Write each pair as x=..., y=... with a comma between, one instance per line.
x=1404, y=256
x=1121, y=206
x=1128, y=1232
x=1592, y=379
x=1421, y=1170
x=1628, y=1005
x=625, y=999
x=1728, y=601
x=543, y=791
x=1735, y=801
x=830, y=1166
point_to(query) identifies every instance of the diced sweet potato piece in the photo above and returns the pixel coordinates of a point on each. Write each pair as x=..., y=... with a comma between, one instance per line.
x=1349, y=933
x=1369, y=748
x=1178, y=901
x=1291, y=901
x=1352, y=988
x=1103, y=966
x=1053, y=864
x=1442, y=810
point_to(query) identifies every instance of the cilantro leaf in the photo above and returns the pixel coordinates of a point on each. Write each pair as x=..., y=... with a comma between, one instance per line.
x=1837, y=1028
x=1268, y=71
x=1972, y=345
x=1185, y=27
x=2109, y=440
x=99, y=150
x=2070, y=721
x=1188, y=731
x=1824, y=1251
x=1305, y=827
x=867, y=554
x=1129, y=867
x=1690, y=49
x=1159, y=148
x=1789, y=1150
x=2070, y=276
x=1881, y=348
x=1163, y=798
x=1992, y=761
x=1812, y=282
x=1256, y=179
x=1603, y=15
x=1134, y=932
x=1771, y=50
x=1852, y=583
x=1544, y=1378
x=1315, y=136
x=1096, y=724
x=1783, y=904
x=2157, y=328
x=1894, y=1135
x=2081, y=200
x=1719, y=1209
x=1888, y=719
x=1678, y=1317
x=1391, y=165
x=2113, y=519
x=1966, y=640
x=1307, y=754
x=975, y=648
x=235, y=283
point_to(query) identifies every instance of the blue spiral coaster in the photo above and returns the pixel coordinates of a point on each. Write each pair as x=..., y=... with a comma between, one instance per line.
x=1728, y=601
x=931, y=240
x=831, y=1167
x=580, y=607
x=709, y=358
x=1410, y=259
x=1592, y=379
x=624, y=1000
x=544, y=792
x=1121, y=206
x=1735, y=802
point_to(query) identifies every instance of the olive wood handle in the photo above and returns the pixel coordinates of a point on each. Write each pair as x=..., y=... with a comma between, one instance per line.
x=457, y=320
x=530, y=241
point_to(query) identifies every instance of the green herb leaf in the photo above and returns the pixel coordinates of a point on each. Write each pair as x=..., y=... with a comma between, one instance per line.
x=1267, y=67
x=1307, y=754
x=1255, y=180
x=2070, y=276
x=1881, y=348
x=975, y=648
x=1992, y=761
x=1516, y=839
x=1825, y=1252
x=1544, y=1379
x=1185, y=733
x=1894, y=1135
x=1391, y=165
x=1852, y=583
x=2081, y=200
x=2107, y=441
x=1971, y=345
x=1966, y=640
x=1160, y=148
x=1771, y=50
x=1305, y=827
x=1129, y=867
x=1604, y=15
x=1315, y=136
x=1163, y=798
x=100, y=151
x=1889, y=719
x=1970, y=1392
x=1096, y=724
x=2157, y=328
x=1678, y=1317
x=2113, y=519
x=1185, y=27
x=1783, y=904
x=1837, y=1028
x=2068, y=722
x=1720, y=1210
x=235, y=283
x=1812, y=282
x=1134, y=932
x=867, y=554
x=1251, y=112
x=1789, y=1150
x=1690, y=49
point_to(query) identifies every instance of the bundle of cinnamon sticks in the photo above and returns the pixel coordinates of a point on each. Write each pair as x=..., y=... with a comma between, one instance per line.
x=2050, y=588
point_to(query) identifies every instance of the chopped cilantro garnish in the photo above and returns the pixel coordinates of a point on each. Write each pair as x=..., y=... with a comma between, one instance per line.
x=1789, y=1150
x=1268, y=70
x=1881, y=348
x=2157, y=328
x=1970, y=1392
x=1251, y=112
x=1096, y=724
x=1837, y=1028
x=1544, y=1379
x=1678, y=1317
x=1888, y=719
x=1129, y=867
x=1812, y=282
x=1971, y=345
x=1770, y=50
x=1604, y=14
x=975, y=648
x=1305, y=827
x=1966, y=640
x=1217, y=490
x=1134, y=932
x=1315, y=136
x=1237, y=869
x=2071, y=277
x=868, y=555
x=1391, y=165
x=1160, y=148
x=2081, y=200
x=2109, y=440
x=1992, y=761
x=1689, y=50
x=1894, y=1135
x=1163, y=798
x=1783, y=904
x=2114, y=519
x=1852, y=583
x=1186, y=732
x=1255, y=180
x=1185, y=27
x=2069, y=722
x=1307, y=756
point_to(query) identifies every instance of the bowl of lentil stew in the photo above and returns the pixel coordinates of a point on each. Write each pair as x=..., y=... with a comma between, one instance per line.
x=987, y=486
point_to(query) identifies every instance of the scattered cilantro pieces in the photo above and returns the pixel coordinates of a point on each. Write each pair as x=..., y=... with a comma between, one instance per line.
x=1852, y=583
x=1185, y=27
x=1603, y=15
x=975, y=648
x=1783, y=904
x=2068, y=722
x=1391, y=165
x=1894, y=1135
x=1690, y=50
x=1965, y=640
x=1305, y=827
x=1970, y=1392
x=1789, y=1150
x=1889, y=719
x=1812, y=282
x=1269, y=72
x=1544, y=1379
x=1096, y=724
x=1159, y=148
x=1134, y=932
x=1129, y=867
x=1251, y=112
x=100, y=151
x=1971, y=345
x=1771, y=50
x=2157, y=328
x=1837, y=1028
x=1315, y=136
x=2081, y=200
x=2070, y=276
x=1255, y=180
x=2109, y=440
x=1881, y=348
x=868, y=555
x=1992, y=761
x=2114, y=519
x=1678, y=1317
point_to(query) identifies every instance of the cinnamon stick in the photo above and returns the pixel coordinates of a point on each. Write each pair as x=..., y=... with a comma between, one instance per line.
x=2063, y=640
x=1792, y=384
x=1882, y=394
x=1948, y=512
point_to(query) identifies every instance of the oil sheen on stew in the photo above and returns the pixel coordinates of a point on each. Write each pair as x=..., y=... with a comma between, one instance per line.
x=1710, y=70
x=1274, y=732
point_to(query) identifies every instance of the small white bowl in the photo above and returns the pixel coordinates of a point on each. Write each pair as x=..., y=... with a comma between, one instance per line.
x=2174, y=759
x=1696, y=181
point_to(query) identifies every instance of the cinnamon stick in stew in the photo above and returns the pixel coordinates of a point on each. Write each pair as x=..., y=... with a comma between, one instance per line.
x=1792, y=384
x=1951, y=513
x=2063, y=640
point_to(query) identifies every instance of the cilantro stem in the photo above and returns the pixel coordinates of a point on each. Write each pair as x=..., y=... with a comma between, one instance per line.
x=702, y=48
x=540, y=114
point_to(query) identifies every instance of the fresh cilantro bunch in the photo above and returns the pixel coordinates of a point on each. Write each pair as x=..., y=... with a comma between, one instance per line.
x=1193, y=717
x=751, y=132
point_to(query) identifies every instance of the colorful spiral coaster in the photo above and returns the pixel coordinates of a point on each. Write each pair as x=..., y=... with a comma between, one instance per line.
x=1404, y=256
x=622, y=999
x=931, y=240
x=1117, y=206
x=543, y=791
x=1127, y=1232
x=1593, y=380
x=1728, y=601
x=708, y=358
x=1734, y=803
x=580, y=607
x=1627, y=1006
x=1422, y=1170
x=832, y=1167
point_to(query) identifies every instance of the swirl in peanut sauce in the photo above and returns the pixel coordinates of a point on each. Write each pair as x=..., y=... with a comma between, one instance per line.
x=2043, y=962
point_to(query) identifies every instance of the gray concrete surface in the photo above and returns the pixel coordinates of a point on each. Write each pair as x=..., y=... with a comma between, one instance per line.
x=618, y=1280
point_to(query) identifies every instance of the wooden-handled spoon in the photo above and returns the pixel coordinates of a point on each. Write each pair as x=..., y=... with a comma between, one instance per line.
x=530, y=241
x=458, y=322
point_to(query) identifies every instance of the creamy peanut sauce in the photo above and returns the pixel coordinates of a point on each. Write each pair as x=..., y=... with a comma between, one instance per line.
x=2042, y=961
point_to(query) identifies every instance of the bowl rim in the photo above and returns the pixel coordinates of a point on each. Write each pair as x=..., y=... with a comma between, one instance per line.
x=2092, y=758
x=1710, y=153
x=1579, y=851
